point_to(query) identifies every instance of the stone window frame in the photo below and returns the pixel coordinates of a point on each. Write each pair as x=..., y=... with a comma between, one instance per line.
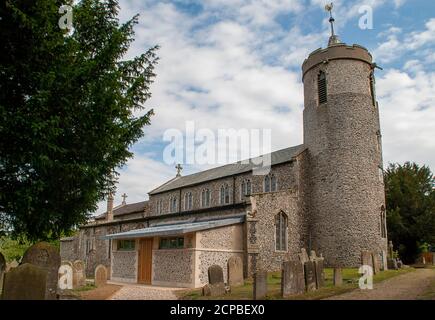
x=322, y=96
x=270, y=183
x=280, y=241
x=205, y=198
x=159, y=206
x=224, y=194
x=245, y=188
x=173, y=204
x=188, y=201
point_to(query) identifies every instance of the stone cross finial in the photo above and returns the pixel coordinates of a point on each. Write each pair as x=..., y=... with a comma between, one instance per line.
x=179, y=168
x=124, y=196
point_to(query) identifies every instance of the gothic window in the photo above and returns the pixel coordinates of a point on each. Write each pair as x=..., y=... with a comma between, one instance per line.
x=372, y=88
x=205, y=198
x=159, y=206
x=225, y=194
x=321, y=87
x=383, y=223
x=270, y=183
x=173, y=204
x=188, y=201
x=281, y=232
x=246, y=188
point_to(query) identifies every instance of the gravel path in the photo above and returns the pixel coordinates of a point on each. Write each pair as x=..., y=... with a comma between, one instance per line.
x=404, y=287
x=142, y=292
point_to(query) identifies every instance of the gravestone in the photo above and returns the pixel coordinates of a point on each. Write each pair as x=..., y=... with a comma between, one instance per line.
x=376, y=263
x=2, y=270
x=26, y=282
x=100, y=275
x=47, y=257
x=310, y=276
x=399, y=264
x=235, y=271
x=213, y=290
x=320, y=273
x=384, y=261
x=65, y=275
x=303, y=256
x=215, y=274
x=11, y=265
x=366, y=258
x=392, y=264
x=292, y=280
x=79, y=279
x=313, y=255
x=260, y=285
x=338, y=277
x=390, y=250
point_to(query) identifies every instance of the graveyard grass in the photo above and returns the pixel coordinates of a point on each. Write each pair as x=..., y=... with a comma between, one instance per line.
x=350, y=282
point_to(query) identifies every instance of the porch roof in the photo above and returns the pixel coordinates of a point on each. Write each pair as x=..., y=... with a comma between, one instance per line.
x=176, y=228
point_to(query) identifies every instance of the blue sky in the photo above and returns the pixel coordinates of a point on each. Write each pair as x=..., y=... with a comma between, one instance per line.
x=236, y=64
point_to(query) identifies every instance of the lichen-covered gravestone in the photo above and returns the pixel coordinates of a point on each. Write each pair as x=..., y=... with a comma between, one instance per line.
x=292, y=280
x=26, y=282
x=320, y=273
x=366, y=258
x=215, y=274
x=260, y=285
x=338, y=277
x=310, y=276
x=2, y=270
x=47, y=257
x=303, y=256
x=376, y=263
x=100, y=275
x=235, y=271
x=79, y=279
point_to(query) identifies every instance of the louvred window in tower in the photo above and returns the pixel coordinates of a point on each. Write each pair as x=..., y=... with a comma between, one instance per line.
x=321, y=87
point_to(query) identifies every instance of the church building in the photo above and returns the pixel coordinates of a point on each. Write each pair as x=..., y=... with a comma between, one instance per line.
x=326, y=194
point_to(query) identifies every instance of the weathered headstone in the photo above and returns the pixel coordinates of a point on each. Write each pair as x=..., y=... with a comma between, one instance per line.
x=392, y=264
x=215, y=274
x=260, y=285
x=320, y=273
x=390, y=250
x=79, y=279
x=310, y=276
x=213, y=290
x=2, y=270
x=384, y=261
x=100, y=275
x=47, y=257
x=338, y=277
x=366, y=258
x=399, y=264
x=65, y=274
x=26, y=282
x=313, y=255
x=292, y=280
x=235, y=271
x=376, y=263
x=303, y=256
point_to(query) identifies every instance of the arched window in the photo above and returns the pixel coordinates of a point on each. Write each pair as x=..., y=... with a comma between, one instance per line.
x=173, y=204
x=321, y=87
x=188, y=201
x=372, y=88
x=270, y=183
x=159, y=206
x=281, y=232
x=246, y=188
x=205, y=198
x=225, y=194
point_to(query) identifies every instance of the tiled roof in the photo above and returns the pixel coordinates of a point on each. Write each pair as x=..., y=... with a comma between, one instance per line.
x=277, y=157
x=126, y=209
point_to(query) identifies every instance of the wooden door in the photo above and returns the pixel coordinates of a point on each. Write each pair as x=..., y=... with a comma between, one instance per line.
x=145, y=260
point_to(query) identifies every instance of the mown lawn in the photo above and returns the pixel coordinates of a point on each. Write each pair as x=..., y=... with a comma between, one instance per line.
x=350, y=282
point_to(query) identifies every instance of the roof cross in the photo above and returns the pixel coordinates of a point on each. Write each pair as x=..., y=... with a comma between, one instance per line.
x=179, y=168
x=124, y=196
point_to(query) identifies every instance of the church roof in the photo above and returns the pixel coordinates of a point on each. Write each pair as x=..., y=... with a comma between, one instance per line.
x=176, y=228
x=126, y=209
x=277, y=157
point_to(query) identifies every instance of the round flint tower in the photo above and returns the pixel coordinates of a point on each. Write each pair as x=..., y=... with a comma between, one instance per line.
x=345, y=197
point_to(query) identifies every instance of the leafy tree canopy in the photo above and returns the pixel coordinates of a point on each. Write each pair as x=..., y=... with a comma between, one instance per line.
x=410, y=195
x=70, y=108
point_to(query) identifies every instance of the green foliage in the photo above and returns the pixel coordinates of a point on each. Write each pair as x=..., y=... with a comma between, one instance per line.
x=410, y=195
x=70, y=108
x=13, y=249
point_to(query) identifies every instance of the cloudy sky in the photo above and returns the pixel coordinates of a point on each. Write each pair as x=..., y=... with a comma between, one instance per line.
x=237, y=64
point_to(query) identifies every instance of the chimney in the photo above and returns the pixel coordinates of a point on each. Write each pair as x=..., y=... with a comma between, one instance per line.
x=109, y=216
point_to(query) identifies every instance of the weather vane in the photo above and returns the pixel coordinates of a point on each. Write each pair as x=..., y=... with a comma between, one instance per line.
x=333, y=39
